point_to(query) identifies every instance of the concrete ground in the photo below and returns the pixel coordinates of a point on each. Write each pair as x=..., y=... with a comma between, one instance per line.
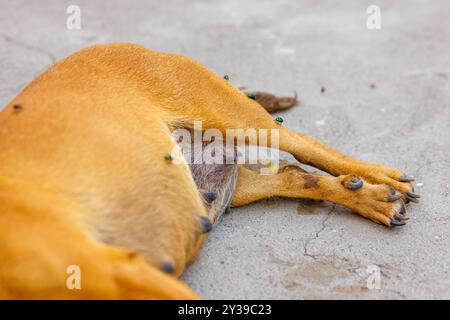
x=386, y=99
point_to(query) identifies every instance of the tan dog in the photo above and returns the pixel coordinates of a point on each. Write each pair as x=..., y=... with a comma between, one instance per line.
x=87, y=174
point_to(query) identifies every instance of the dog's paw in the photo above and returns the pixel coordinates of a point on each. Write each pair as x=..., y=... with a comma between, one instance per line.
x=380, y=174
x=380, y=203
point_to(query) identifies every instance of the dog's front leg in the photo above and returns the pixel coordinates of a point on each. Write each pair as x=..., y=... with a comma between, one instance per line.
x=198, y=94
x=312, y=152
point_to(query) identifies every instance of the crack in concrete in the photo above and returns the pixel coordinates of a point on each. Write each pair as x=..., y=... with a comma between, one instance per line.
x=26, y=46
x=318, y=232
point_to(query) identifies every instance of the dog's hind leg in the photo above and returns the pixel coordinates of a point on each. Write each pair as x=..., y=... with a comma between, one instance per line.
x=379, y=203
x=199, y=94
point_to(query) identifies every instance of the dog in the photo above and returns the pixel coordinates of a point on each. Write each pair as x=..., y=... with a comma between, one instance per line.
x=92, y=177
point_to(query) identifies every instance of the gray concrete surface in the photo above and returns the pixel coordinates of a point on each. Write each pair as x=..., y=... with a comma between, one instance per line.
x=290, y=249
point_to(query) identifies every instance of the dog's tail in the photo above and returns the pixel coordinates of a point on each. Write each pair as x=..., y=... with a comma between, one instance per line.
x=271, y=102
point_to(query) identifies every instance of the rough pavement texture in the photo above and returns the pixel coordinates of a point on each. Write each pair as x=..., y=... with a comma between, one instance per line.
x=386, y=99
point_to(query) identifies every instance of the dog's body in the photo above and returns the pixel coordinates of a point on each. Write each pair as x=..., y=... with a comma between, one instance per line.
x=85, y=179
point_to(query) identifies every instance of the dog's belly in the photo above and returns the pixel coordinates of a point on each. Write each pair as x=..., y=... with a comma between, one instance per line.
x=214, y=169
x=218, y=180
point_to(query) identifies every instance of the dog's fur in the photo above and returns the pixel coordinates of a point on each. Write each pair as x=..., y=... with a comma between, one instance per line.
x=85, y=180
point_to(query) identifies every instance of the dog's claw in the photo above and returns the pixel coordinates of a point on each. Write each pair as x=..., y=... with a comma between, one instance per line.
x=206, y=224
x=412, y=199
x=401, y=214
x=403, y=209
x=412, y=194
x=394, y=197
x=397, y=223
x=406, y=178
x=400, y=217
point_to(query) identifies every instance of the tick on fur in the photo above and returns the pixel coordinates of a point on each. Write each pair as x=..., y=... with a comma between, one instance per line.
x=17, y=107
x=251, y=96
x=322, y=89
x=226, y=77
x=280, y=120
x=168, y=157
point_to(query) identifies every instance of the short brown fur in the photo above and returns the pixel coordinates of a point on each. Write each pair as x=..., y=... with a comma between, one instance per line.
x=84, y=179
